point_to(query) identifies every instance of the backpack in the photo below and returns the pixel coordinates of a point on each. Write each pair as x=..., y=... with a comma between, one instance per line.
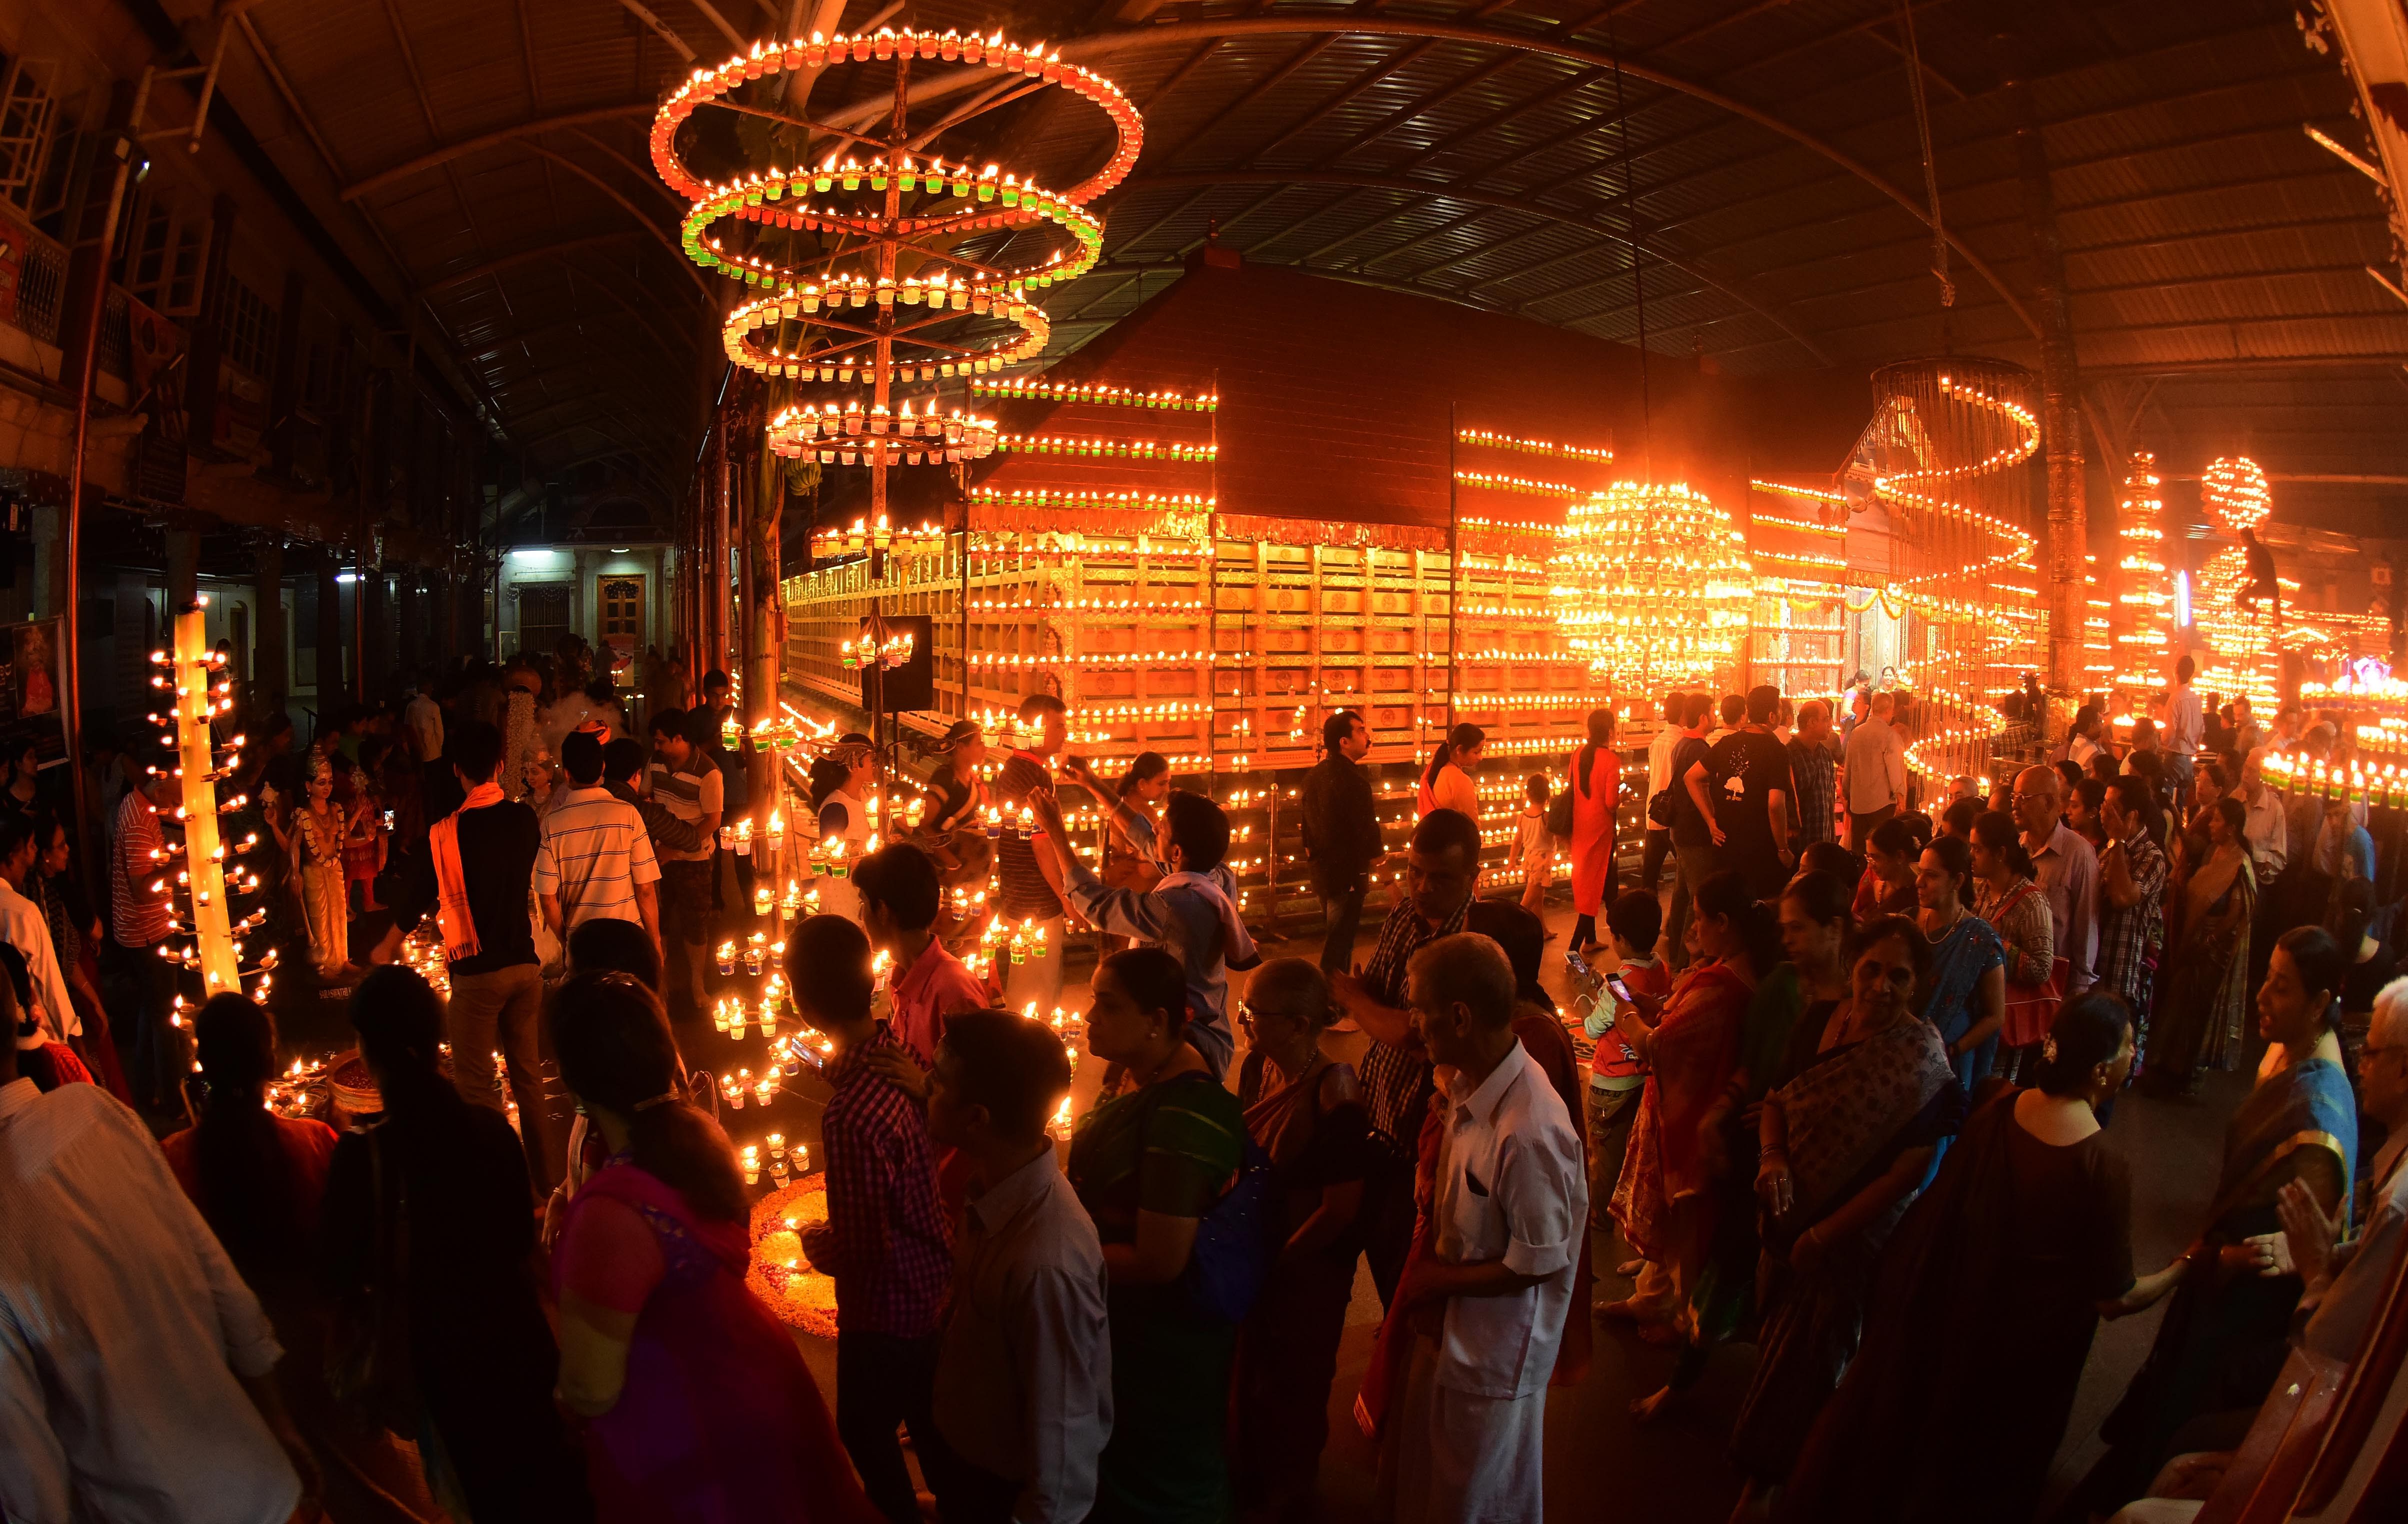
x=1235, y=1240
x=1672, y=801
x=1559, y=816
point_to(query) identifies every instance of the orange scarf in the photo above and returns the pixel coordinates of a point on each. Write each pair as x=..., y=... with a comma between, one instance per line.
x=450, y=882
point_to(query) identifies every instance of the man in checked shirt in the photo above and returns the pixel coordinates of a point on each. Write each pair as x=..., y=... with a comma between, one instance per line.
x=1440, y=898
x=885, y=1242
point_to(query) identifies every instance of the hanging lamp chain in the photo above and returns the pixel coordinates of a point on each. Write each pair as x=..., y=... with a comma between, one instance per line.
x=1930, y=165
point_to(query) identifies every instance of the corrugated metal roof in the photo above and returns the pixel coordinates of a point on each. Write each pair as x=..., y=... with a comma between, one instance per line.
x=2200, y=224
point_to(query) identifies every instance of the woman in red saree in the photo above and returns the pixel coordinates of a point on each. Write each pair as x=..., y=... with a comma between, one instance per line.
x=1597, y=793
x=699, y=1408
x=1663, y=1202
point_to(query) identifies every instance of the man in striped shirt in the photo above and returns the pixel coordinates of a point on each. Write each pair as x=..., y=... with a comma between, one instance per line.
x=596, y=861
x=684, y=779
x=141, y=920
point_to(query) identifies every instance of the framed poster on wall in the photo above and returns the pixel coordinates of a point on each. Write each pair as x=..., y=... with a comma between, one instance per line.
x=30, y=702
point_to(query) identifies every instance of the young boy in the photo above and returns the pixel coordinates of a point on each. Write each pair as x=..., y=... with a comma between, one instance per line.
x=885, y=1240
x=1535, y=849
x=1615, y=1074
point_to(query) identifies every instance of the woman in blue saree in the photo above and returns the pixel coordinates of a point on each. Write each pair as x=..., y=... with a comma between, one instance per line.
x=1967, y=1002
x=2222, y=1340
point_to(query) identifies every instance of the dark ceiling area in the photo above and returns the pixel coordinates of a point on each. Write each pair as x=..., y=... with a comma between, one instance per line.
x=1739, y=183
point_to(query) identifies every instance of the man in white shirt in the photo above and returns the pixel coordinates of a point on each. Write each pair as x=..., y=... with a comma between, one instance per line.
x=135, y=1367
x=1023, y=1389
x=24, y=927
x=424, y=718
x=2268, y=830
x=1873, y=772
x=2185, y=724
x=1660, y=777
x=1463, y=1440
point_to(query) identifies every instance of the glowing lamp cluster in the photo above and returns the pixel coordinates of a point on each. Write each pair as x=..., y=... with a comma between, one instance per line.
x=1652, y=584
x=769, y=59
x=2144, y=599
x=851, y=432
x=2235, y=491
x=200, y=873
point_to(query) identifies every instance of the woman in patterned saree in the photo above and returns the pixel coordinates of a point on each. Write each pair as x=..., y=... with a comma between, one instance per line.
x=2200, y=1016
x=1844, y=1145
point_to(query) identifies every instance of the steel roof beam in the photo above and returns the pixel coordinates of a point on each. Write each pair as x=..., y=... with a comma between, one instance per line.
x=1112, y=43
x=640, y=110
x=1422, y=187
x=524, y=256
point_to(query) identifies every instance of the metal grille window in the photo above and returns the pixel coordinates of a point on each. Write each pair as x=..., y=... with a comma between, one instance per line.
x=116, y=335
x=250, y=329
x=41, y=285
x=27, y=115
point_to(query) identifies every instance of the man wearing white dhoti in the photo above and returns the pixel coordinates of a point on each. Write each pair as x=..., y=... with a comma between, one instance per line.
x=1486, y=1302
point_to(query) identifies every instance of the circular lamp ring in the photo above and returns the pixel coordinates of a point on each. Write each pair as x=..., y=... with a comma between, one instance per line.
x=849, y=433
x=772, y=59
x=841, y=354
x=758, y=199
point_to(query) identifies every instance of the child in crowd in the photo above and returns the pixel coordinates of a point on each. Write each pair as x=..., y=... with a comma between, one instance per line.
x=1535, y=849
x=1617, y=1074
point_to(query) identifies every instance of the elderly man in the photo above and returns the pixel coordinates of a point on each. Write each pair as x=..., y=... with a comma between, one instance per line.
x=2268, y=832
x=1875, y=763
x=2067, y=867
x=1485, y=1310
x=1440, y=898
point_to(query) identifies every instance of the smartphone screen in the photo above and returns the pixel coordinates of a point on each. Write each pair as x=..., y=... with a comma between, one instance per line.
x=1621, y=991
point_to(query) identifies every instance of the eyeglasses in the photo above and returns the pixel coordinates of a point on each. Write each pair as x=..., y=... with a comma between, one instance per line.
x=1247, y=1014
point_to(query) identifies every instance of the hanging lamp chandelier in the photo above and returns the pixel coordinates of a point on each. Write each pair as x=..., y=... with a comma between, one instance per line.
x=1653, y=585
x=883, y=264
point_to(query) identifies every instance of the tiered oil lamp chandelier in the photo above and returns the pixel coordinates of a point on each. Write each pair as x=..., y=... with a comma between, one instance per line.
x=881, y=264
x=196, y=873
x=1653, y=585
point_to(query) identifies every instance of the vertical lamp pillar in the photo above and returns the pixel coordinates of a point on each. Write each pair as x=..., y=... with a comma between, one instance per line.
x=198, y=682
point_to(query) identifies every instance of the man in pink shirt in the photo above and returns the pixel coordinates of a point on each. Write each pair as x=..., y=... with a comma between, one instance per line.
x=900, y=901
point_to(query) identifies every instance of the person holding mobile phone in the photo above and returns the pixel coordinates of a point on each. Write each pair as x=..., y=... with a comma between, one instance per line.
x=1616, y=1073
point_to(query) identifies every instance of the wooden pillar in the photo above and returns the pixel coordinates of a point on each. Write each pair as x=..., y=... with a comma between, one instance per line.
x=412, y=655
x=2066, y=600
x=183, y=567
x=766, y=629
x=271, y=682
x=330, y=638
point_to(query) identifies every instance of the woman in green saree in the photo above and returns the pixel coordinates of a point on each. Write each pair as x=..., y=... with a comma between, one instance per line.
x=1148, y=1162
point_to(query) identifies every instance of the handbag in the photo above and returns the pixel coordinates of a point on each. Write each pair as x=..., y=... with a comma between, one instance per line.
x=368, y=1349
x=2032, y=1008
x=1236, y=1239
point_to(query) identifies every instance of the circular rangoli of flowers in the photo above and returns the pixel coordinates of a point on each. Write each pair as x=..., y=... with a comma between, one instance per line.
x=781, y=1274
